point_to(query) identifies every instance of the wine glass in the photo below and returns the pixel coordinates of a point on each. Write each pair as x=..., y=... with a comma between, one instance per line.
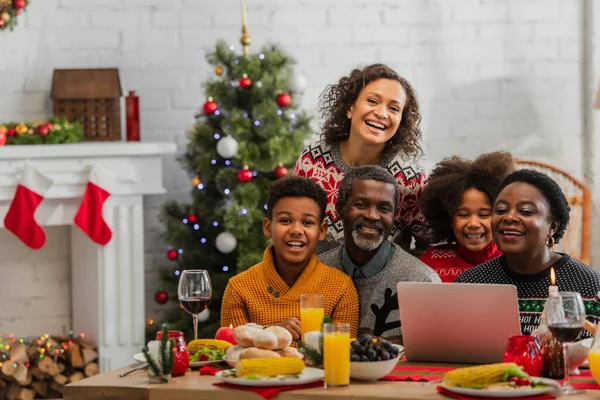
x=194, y=293
x=566, y=316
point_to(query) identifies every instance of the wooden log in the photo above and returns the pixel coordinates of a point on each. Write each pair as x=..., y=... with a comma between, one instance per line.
x=8, y=368
x=55, y=387
x=61, y=379
x=77, y=376
x=61, y=367
x=13, y=391
x=18, y=353
x=26, y=394
x=41, y=388
x=75, y=356
x=91, y=369
x=48, y=366
x=2, y=385
x=35, y=372
x=21, y=375
x=89, y=355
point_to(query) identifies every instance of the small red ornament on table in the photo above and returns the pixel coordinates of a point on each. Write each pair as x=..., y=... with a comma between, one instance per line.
x=226, y=333
x=172, y=255
x=280, y=171
x=245, y=82
x=284, y=100
x=245, y=175
x=210, y=106
x=161, y=297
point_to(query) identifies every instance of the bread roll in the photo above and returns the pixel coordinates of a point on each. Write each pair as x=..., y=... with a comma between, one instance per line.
x=233, y=353
x=265, y=340
x=253, y=352
x=284, y=337
x=244, y=334
x=290, y=352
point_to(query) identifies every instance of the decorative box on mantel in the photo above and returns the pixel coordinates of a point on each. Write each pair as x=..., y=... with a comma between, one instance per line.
x=107, y=293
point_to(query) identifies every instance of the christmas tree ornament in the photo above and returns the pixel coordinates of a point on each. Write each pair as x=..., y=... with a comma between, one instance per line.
x=219, y=70
x=195, y=181
x=2, y=138
x=161, y=297
x=245, y=175
x=5, y=17
x=280, y=171
x=245, y=82
x=204, y=315
x=89, y=215
x=172, y=255
x=297, y=83
x=284, y=100
x=191, y=218
x=20, y=218
x=225, y=242
x=20, y=4
x=210, y=106
x=227, y=147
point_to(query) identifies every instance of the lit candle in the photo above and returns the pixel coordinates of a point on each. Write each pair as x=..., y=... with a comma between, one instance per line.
x=552, y=289
x=244, y=21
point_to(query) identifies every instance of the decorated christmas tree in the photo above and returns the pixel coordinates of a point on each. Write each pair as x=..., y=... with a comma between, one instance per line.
x=248, y=134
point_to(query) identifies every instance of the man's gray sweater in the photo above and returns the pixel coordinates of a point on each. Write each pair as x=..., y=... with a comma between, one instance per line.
x=377, y=295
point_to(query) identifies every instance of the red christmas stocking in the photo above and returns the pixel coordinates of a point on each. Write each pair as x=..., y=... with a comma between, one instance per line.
x=20, y=218
x=89, y=216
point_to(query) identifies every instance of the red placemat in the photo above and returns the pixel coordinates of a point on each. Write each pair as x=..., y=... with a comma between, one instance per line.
x=270, y=392
x=412, y=378
x=208, y=370
x=465, y=397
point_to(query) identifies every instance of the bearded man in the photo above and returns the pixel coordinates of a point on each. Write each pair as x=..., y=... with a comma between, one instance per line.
x=367, y=202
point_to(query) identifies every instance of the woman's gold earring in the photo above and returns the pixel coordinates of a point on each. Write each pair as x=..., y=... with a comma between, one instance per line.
x=550, y=241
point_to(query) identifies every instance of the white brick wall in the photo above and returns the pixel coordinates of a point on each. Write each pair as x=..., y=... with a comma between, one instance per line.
x=490, y=74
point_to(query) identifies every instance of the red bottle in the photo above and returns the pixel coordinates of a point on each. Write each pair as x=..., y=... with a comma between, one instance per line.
x=182, y=358
x=132, y=110
x=524, y=351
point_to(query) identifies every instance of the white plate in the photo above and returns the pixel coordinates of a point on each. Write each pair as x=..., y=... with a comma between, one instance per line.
x=139, y=357
x=552, y=385
x=308, y=375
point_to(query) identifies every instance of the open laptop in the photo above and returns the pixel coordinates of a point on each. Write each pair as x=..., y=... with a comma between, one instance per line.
x=457, y=322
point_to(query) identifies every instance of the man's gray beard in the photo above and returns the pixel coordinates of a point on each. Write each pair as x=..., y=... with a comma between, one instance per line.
x=367, y=245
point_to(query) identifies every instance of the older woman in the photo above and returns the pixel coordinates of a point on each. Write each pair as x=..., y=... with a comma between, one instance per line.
x=457, y=202
x=371, y=117
x=530, y=215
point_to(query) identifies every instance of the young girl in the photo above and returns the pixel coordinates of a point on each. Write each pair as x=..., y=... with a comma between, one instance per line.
x=371, y=117
x=457, y=202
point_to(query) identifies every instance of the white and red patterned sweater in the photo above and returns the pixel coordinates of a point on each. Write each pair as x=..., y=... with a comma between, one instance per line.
x=324, y=164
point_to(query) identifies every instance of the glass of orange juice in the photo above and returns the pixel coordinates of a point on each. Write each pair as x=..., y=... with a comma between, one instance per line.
x=311, y=312
x=336, y=354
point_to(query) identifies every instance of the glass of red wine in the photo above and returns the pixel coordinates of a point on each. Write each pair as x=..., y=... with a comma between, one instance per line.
x=194, y=293
x=566, y=317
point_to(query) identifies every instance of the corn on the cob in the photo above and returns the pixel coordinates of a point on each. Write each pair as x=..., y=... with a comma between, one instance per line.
x=213, y=344
x=269, y=366
x=480, y=376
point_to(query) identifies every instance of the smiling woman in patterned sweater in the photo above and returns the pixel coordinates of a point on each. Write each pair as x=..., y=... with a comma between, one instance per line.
x=371, y=117
x=530, y=215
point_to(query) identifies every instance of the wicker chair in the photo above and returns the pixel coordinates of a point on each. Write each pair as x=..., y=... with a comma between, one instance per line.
x=576, y=241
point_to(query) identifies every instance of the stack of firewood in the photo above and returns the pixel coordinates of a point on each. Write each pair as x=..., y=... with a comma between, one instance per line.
x=39, y=369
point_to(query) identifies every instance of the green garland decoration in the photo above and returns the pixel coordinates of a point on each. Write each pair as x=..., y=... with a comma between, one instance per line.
x=57, y=130
x=9, y=11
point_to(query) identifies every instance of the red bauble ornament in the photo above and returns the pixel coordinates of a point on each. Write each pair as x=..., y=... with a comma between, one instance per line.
x=280, y=171
x=2, y=138
x=20, y=4
x=172, y=255
x=42, y=130
x=210, y=106
x=161, y=297
x=245, y=175
x=11, y=131
x=284, y=100
x=245, y=82
x=191, y=218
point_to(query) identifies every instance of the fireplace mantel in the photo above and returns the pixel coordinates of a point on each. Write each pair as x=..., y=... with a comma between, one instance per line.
x=107, y=284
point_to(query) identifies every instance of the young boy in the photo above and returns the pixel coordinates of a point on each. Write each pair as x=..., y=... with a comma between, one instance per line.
x=269, y=292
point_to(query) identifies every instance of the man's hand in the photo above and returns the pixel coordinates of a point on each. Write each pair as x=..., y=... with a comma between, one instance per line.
x=293, y=326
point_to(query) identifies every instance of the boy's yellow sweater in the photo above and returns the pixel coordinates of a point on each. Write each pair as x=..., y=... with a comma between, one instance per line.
x=259, y=295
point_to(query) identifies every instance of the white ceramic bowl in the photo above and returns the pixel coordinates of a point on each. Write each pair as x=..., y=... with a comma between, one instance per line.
x=578, y=353
x=372, y=370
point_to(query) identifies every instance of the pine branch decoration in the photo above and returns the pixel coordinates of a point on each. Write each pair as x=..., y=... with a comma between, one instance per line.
x=315, y=356
x=165, y=356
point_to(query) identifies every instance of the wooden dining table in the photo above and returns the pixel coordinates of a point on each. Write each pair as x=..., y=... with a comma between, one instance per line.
x=192, y=385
